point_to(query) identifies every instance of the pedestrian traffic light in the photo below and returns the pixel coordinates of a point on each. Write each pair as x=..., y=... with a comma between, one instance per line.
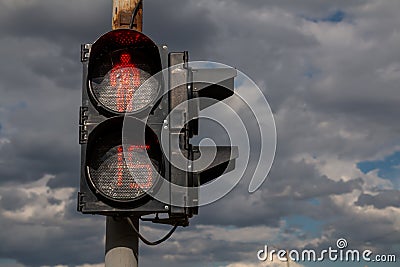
x=121, y=90
x=134, y=93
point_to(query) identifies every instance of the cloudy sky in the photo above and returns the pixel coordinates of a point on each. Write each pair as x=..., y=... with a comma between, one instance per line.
x=330, y=71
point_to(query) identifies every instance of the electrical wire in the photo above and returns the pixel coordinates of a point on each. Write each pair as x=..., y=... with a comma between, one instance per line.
x=135, y=11
x=149, y=243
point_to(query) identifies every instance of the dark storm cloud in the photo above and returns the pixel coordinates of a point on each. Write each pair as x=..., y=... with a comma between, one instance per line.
x=35, y=148
x=184, y=27
x=202, y=245
x=250, y=39
x=37, y=218
x=84, y=243
x=384, y=199
x=361, y=230
x=55, y=21
x=312, y=8
x=283, y=194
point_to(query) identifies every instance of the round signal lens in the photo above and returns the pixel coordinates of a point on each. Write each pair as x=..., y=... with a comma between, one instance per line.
x=120, y=169
x=122, y=69
x=123, y=175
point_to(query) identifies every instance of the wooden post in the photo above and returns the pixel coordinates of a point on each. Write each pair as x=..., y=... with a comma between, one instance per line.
x=122, y=14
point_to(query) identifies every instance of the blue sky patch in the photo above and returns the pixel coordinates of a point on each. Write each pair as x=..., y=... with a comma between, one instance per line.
x=336, y=17
x=307, y=224
x=388, y=168
x=314, y=202
x=311, y=72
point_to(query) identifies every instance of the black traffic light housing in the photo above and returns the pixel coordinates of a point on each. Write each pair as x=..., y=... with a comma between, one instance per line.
x=125, y=87
x=120, y=91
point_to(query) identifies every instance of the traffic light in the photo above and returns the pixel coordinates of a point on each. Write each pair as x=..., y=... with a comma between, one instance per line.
x=139, y=112
x=121, y=92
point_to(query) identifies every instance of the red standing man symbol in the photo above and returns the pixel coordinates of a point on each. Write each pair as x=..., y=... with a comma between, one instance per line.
x=126, y=77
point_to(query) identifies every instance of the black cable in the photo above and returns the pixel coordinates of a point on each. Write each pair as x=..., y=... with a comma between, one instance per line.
x=135, y=11
x=148, y=242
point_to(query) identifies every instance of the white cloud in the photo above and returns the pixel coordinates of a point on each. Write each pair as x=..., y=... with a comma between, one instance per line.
x=39, y=206
x=390, y=73
x=4, y=141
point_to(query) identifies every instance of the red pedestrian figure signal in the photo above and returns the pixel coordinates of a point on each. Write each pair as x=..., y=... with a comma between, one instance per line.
x=125, y=76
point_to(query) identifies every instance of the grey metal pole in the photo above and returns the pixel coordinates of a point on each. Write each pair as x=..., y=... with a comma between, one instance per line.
x=122, y=243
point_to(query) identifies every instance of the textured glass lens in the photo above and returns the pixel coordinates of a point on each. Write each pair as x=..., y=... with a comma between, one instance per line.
x=126, y=89
x=121, y=69
x=122, y=175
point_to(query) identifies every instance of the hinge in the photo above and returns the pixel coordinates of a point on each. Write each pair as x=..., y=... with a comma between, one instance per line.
x=85, y=52
x=83, y=134
x=83, y=117
x=81, y=202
